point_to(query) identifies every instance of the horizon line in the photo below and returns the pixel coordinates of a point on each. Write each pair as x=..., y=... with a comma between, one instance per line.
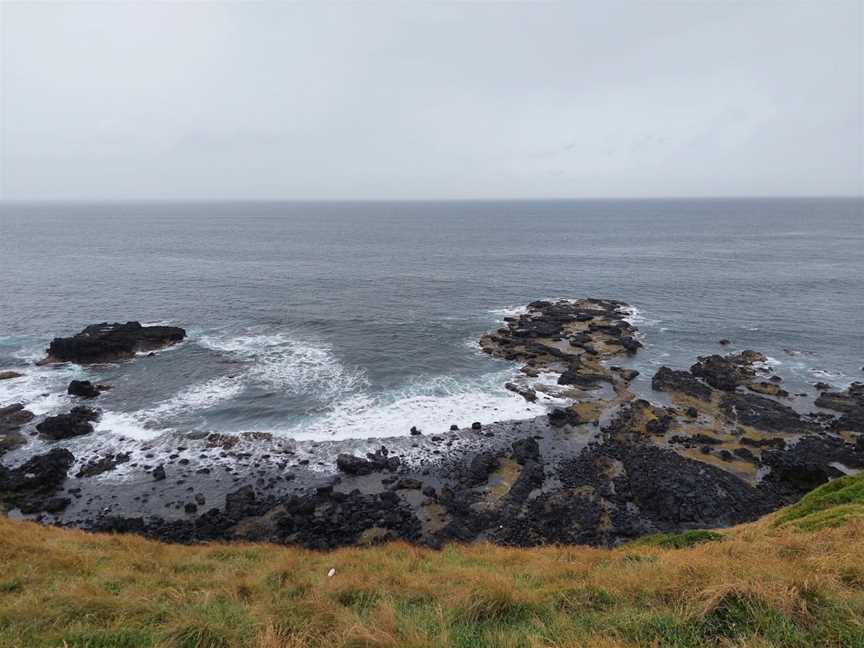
x=206, y=200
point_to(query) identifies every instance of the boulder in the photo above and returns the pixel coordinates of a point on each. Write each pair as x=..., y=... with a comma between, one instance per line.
x=526, y=449
x=78, y=422
x=480, y=466
x=82, y=389
x=8, y=375
x=379, y=460
x=111, y=342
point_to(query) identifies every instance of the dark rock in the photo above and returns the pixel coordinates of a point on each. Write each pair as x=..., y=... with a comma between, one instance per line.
x=454, y=428
x=763, y=413
x=408, y=483
x=12, y=419
x=726, y=372
x=102, y=465
x=77, y=422
x=768, y=389
x=415, y=431
x=630, y=344
x=526, y=449
x=8, y=375
x=725, y=342
x=481, y=465
x=775, y=443
x=111, y=342
x=746, y=455
x=699, y=439
x=559, y=417
x=626, y=374
x=240, y=503
x=476, y=425
x=31, y=485
x=671, y=380
x=82, y=389
x=159, y=473
x=376, y=461
x=526, y=392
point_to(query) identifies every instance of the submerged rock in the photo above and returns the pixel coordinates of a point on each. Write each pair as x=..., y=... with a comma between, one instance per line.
x=111, y=342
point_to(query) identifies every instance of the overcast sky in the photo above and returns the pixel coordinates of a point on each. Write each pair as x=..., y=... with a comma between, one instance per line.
x=116, y=100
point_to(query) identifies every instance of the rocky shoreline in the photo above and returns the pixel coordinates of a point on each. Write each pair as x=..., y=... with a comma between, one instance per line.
x=723, y=442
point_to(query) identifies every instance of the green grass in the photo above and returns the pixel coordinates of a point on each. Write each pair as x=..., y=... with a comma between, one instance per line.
x=677, y=540
x=830, y=505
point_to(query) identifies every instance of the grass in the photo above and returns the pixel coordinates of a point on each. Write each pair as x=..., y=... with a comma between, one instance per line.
x=787, y=580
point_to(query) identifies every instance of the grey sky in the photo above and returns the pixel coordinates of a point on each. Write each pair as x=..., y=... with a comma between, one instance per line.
x=114, y=100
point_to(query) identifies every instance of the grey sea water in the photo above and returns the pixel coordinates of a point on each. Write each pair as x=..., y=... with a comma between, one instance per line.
x=334, y=320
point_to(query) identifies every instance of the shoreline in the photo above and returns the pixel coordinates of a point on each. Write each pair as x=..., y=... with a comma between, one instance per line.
x=604, y=468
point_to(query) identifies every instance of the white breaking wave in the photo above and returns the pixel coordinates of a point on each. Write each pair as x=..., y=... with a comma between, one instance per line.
x=146, y=424
x=508, y=311
x=201, y=396
x=636, y=318
x=431, y=405
x=41, y=389
x=292, y=365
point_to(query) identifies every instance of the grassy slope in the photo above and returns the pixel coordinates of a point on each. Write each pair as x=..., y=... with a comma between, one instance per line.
x=793, y=579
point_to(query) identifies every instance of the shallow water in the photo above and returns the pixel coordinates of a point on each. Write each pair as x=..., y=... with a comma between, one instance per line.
x=318, y=320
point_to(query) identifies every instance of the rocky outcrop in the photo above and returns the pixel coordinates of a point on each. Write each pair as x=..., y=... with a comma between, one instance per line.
x=12, y=419
x=851, y=405
x=112, y=342
x=727, y=372
x=32, y=485
x=374, y=461
x=763, y=413
x=78, y=422
x=672, y=380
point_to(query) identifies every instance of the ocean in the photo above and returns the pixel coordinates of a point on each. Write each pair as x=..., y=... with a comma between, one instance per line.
x=355, y=320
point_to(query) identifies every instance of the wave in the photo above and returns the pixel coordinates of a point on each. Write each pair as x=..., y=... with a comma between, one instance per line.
x=41, y=389
x=508, y=311
x=636, y=318
x=432, y=405
x=148, y=423
x=290, y=364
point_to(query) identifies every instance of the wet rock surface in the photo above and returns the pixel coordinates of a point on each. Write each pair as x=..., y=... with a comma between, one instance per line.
x=722, y=444
x=12, y=419
x=111, y=342
x=78, y=422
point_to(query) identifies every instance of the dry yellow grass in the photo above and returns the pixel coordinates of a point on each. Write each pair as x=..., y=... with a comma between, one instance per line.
x=762, y=584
